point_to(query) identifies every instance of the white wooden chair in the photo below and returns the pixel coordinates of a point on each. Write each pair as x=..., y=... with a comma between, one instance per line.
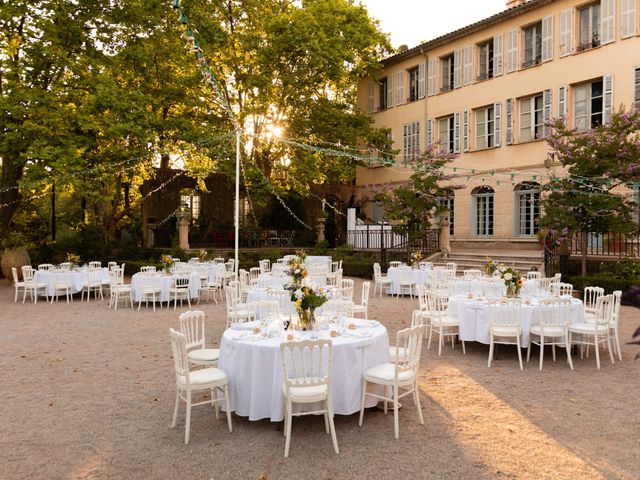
x=31, y=286
x=180, y=291
x=118, y=290
x=61, y=285
x=65, y=266
x=308, y=366
x=210, y=287
x=149, y=290
x=112, y=265
x=398, y=354
x=597, y=332
x=237, y=312
x=452, y=267
x=45, y=267
x=265, y=310
x=561, y=289
x=210, y=380
x=94, y=284
x=554, y=317
x=148, y=269
x=337, y=307
x=615, y=322
x=403, y=374
x=17, y=284
x=95, y=264
x=363, y=308
x=218, y=260
x=406, y=282
x=395, y=264
x=265, y=265
x=440, y=322
x=590, y=296
x=254, y=273
x=534, y=275
x=504, y=325
x=192, y=326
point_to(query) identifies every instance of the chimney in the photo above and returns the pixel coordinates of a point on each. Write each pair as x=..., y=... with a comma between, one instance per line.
x=515, y=3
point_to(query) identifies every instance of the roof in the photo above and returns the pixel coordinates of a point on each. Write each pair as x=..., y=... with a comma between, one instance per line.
x=469, y=29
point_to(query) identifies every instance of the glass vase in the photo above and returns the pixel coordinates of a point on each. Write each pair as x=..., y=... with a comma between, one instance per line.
x=307, y=320
x=512, y=291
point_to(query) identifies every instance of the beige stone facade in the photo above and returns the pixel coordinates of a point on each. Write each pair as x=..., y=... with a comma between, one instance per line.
x=485, y=92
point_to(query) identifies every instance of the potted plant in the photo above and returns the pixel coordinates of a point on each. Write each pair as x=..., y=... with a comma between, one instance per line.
x=14, y=254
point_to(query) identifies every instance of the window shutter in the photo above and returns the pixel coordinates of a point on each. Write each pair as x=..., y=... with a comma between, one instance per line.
x=636, y=87
x=628, y=18
x=498, y=54
x=421, y=79
x=566, y=32
x=400, y=98
x=509, y=139
x=512, y=51
x=457, y=69
x=607, y=21
x=607, y=82
x=465, y=131
x=456, y=132
x=547, y=38
x=430, y=131
x=562, y=102
x=431, y=80
x=468, y=65
x=371, y=97
x=546, y=112
x=497, y=118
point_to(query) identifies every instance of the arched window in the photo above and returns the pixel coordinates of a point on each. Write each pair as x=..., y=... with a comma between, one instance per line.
x=527, y=209
x=449, y=202
x=191, y=199
x=483, y=211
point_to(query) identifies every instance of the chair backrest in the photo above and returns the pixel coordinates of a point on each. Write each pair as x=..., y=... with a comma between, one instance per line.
x=181, y=282
x=504, y=312
x=421, y=292
x=95, y=264
x=111, y=265
x=192, y=327
x=545, y=284
x=230, y=265
x=245, y=279
x=560, y=289
x=409, y=339
x=231, y=296
x=338, y=307
x=377, y=271
x=346, y=293
x=265, y=309
x=366, y=287
x=617, y=297
x=254, y=273
x=307, y=363
x=395, y=264
x=604, y=310
x=28, y=273
x=265, y=265
x=94, y=275
x=65, y=265
x=591, y=294
x=554, y=312
x=317, y=279
x=148, y=269
x=218, y=260
x=45, y=266
x=534, y=275
x=347, y=283
x=437, y=303
x=14, y=274
x=424, y=265
x=115, y=276
x=179, y=350
x=334, y=266
x=452, y=266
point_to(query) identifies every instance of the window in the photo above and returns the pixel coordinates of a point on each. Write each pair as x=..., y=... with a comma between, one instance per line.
x=589, y=27
x=382, y=94
x=587, y=105
x=411, y=141
x=527, y=209
x=448, y=73
x=446, y=129
x=449, y=203
x=191, y=200
x=485, y=60
x=483, y=211
x=532, y=45
x=485, y=125
x=413, y=84
x=531, y=118
x=636, y=87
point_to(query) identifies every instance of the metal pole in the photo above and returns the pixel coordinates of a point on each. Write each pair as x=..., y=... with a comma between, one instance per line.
x=237, y=203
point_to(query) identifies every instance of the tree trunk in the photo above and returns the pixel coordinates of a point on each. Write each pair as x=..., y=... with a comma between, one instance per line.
x=584, y=253
x=9, y=193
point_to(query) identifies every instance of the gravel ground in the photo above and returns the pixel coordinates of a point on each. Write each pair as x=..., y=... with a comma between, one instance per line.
x=88, y=393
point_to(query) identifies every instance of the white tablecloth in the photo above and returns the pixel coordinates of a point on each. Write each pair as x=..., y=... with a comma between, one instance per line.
x=318, y=262
x=277, y=282
x=164, y=282
x=255, y=371
x=77, y=278
x=419, y=276
x=474, y=323
x=489, y=287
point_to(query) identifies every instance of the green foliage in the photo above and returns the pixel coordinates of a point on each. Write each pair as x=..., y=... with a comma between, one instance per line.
x=415, y=205
x=627, y=267
x=608, y=282
x=343, y=251
x=355, y=267
x=320, y=248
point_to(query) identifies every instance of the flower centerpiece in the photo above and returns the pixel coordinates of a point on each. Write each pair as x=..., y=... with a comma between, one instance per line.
x=416, y=258
x=306, y=300
x=512, y=280
x=167, y=263
x=489, y=266
x=73, y=259
x=202, y=255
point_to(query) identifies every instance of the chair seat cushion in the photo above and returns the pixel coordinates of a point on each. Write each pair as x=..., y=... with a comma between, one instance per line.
x=204, y=376
x=549, y=331
x=359, y=308
x=586, y=327
x=444, y=321
x=505, y=331
x=386, y=373
x=402, y=353
x=204, y=354
x=590, y=317
x=305, y=393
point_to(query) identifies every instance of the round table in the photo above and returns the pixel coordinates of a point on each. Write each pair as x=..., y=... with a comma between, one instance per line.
x=418, y=275
x=474, y=322
x=490, y=287
x=277, y=282
x=164, y=282
x=255, y=372
x=77, y=278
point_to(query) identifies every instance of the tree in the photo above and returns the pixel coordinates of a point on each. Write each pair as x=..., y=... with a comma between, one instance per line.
x=601, y=165
x=413, y=206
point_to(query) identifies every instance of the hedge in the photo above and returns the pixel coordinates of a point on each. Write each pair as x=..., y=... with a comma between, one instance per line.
x=357, y=268
x=608, y=282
